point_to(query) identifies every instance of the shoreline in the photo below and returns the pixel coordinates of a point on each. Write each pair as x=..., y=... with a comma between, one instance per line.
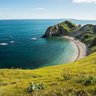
x=81, y=48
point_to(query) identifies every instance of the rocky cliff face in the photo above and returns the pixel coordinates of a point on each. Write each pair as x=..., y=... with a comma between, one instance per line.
x=86, y=33
x=64, y=28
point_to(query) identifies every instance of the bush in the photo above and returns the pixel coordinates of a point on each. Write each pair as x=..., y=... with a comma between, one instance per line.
x=81, y=93
x=35, y=87
x=65, y=27
x=86, y=80
x=87, y=36
x=93, y=49
x=66, y=77
x=70, y=24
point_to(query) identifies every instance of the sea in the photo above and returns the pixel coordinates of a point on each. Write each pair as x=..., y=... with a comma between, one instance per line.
x=22, y=45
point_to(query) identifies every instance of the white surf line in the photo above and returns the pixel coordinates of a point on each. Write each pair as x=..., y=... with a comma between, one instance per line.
x=3, y=44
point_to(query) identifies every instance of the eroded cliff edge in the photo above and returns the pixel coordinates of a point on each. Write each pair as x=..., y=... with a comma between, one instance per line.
x=85, y=33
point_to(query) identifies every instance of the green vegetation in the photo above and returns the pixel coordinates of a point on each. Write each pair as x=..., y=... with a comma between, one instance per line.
x=87, y=80
x=34, y=86
x=63, y=28
x=89, y=36
x=93, y=49
x=68, y=26
x=74, y=79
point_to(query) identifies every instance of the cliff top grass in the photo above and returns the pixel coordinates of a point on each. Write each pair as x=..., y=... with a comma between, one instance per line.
x=72, y=79
x=68, y=26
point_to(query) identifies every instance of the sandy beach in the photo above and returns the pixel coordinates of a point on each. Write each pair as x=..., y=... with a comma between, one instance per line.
x=81, y=47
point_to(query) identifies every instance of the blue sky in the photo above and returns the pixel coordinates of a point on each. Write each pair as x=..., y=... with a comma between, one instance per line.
x=48, y=9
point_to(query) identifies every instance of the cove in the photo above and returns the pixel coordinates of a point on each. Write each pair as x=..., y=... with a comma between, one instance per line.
x=22, y=47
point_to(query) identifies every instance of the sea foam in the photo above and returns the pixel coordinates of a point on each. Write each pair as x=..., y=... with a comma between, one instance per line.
x=3, y=44
x=11, y=41
x=34, y=38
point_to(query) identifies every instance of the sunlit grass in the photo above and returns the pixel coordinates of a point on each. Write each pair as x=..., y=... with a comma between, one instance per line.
x=63, y=79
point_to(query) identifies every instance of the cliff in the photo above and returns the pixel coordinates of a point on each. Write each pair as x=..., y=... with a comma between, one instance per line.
x=64, y=28
x=86, y=33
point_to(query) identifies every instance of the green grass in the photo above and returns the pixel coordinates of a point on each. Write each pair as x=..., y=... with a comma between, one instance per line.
x=74, y=79
x=68, y=26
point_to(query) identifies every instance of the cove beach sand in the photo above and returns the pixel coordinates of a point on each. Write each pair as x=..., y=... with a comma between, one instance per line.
x=82, y=50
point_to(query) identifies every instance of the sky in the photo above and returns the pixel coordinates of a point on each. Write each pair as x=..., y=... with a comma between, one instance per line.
x=48, y=9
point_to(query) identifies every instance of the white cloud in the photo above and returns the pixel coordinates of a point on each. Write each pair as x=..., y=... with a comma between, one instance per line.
x=39, y=9
x=84, y=1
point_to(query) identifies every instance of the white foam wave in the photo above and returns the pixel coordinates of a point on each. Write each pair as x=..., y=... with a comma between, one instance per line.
x=34, y=38
x=3, y=44
x=11, y=41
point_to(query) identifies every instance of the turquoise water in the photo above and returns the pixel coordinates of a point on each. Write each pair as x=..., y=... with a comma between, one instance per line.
x=22, y=47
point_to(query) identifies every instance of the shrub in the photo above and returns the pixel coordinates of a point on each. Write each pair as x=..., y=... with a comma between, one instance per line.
x=65, y=27
x=70, y=24
x=87, y=36
x=66, y=77
x=86, y=80
x=81, y=93
x=35, y=87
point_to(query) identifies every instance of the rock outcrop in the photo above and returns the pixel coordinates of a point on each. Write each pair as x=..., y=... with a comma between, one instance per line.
x=86, y=33
x=64, y=28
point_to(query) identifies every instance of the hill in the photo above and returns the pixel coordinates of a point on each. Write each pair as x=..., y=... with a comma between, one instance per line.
x=74, y=79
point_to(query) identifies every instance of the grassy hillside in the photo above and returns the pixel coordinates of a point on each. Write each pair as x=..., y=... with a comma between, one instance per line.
x=64, y=80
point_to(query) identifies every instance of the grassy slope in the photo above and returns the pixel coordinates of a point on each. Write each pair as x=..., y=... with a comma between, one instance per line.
x=13, y=82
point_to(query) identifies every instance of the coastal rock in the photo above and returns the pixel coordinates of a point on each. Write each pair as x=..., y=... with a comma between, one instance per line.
x=64, y=28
